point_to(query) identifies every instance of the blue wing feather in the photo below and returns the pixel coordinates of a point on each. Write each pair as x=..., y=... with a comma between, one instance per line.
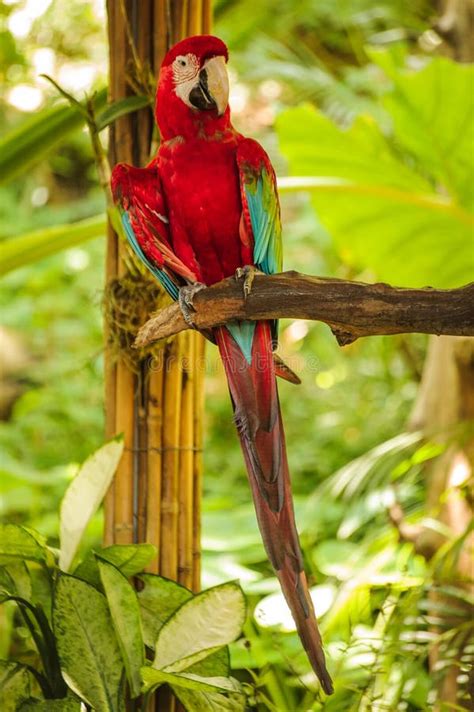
x=138, y=195
x=261, y=212
x=265, y=220
x=164, y=279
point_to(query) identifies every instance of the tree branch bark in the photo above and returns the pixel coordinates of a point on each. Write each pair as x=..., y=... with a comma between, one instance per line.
x=351, y=309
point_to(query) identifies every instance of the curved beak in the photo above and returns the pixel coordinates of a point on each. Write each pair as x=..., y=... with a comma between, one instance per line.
x=212, y=89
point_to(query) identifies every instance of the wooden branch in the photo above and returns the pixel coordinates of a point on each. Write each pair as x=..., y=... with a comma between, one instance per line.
x=351, y=309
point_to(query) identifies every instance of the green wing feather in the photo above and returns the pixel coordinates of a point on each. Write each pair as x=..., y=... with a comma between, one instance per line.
x=261, y=213
x=261, y=206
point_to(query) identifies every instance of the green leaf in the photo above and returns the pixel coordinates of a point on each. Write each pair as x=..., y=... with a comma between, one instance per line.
x=15, y=580
x=14, y=685
x=198, y=692
x=337, y=558
x=153, y=678
x=273, y=610
x=114, y=111
x=27, y=145
x=217, y=664
x=373, y=469
x=130, y=559
x=201, y=626
x=159, y=599
x=89, y=653
x=7, y=585
x=83, y=497
x=42, y=587
x=440, y=135
x=68, y=704
x=382, y=214
x=125, y=611
x=18, y=543
x=197, y=701
x=28, y=248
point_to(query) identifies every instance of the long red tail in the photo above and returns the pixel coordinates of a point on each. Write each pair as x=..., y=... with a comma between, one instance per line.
x=257, y=415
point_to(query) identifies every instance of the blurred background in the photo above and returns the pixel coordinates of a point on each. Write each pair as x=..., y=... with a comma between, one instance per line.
x=373, y=101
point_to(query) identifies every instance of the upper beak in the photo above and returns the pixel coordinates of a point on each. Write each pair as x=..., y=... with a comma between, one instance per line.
x=212, y=90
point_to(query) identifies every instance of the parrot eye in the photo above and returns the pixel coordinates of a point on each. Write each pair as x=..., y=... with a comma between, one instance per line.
x=185, y=68
x=181, y=61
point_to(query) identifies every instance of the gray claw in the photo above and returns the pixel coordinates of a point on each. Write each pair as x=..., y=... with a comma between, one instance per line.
x=248, y=273
x=185, y=300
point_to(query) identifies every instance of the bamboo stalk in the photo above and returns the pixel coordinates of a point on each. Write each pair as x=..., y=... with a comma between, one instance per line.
x=194, y=20
x=160, y=35
x=120, y=141
x=185, y=11
x=169, y=486
x=185, y=471
x=145, y=119
x=206, y=17
x=143, y=473
x=154, y=452
x=110, y=376
x=123, y=487
x=198, y=385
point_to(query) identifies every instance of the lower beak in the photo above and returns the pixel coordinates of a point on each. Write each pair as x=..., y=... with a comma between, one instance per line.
x=212, y=90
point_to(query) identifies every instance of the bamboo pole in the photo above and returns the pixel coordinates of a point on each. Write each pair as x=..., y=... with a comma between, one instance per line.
x=185, y=468
x=198, y=407
x=155, y=444
x=169, y=484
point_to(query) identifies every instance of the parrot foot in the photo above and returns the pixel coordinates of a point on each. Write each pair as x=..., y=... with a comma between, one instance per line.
x=248, y=273
x=185, y=301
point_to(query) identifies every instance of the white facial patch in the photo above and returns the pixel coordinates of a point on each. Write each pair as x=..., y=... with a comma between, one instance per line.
x=185, y=70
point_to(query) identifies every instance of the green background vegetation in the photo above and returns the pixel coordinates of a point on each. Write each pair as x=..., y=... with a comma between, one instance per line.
x=358, y=97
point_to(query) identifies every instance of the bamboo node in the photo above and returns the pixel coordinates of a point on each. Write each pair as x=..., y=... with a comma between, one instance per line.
x=168, y=448
x=123, y=527
x=185, y=569
x=169, y=507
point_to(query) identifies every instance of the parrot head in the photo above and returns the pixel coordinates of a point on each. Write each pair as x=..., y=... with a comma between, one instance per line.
x=193, y=88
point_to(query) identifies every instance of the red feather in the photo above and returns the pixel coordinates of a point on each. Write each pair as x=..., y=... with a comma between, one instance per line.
x=257, y=414
x=195, y=180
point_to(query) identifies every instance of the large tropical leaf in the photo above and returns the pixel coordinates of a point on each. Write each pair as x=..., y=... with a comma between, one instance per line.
x=125, y=612
x=90, y=657
x=382, y=199
x=129, y=559
x=14, y=685
x=199, y=693
x=200, y=627
x=68, y=704
x=18, y=543
x=83, y=497
x=159, y=598
x=438, y=132
x=28, y=144
x=33, y=246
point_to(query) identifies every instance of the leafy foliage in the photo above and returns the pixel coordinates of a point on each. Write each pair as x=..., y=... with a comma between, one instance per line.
x=83, y=497
x=88, y=635
x=387, y=168
x=34, y=139
x=359, y=178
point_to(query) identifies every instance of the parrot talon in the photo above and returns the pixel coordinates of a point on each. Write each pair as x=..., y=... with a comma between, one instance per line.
x=248, y=273
x=185, y=300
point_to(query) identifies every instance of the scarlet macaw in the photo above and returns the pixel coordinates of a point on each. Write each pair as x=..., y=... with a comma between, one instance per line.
x=206, y=206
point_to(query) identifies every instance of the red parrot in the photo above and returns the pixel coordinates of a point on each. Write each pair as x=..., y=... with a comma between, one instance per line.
x=203, y=209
